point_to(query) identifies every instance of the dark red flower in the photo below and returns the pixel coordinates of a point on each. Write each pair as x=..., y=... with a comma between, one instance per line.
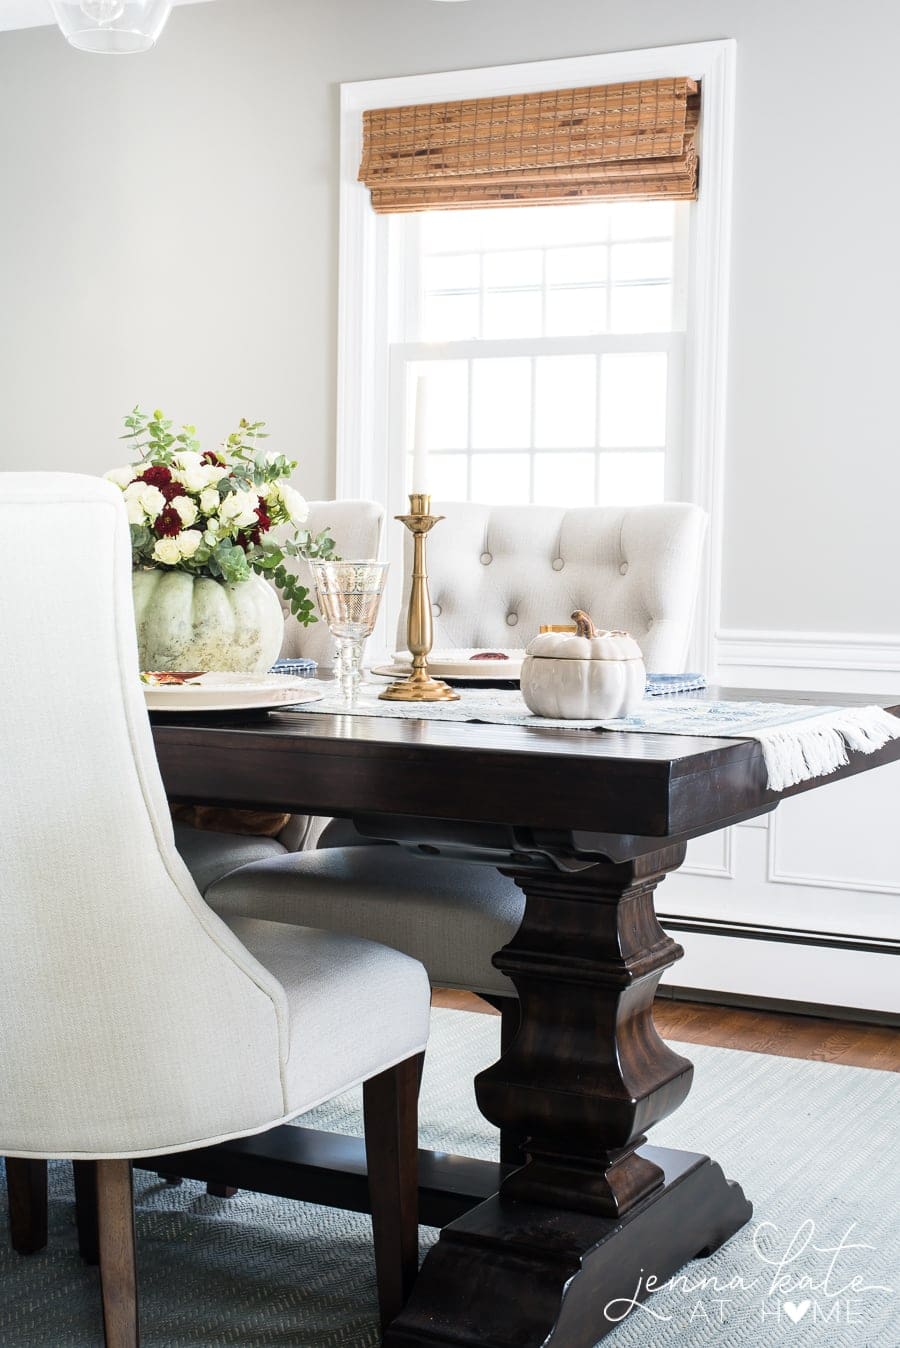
x=212, y=459
x=158, y=476
x=168, y=524
x=247, y=537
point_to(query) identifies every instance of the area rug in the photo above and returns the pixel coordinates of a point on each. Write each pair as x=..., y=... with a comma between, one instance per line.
x=814, y=1146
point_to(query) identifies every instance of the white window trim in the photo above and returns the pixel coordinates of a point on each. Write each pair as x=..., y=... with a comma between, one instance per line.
x=365, y=263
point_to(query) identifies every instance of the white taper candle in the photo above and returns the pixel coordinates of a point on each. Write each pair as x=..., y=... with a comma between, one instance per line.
x=420, y=447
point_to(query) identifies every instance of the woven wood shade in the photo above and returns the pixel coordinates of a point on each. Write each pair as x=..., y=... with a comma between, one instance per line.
x=623, y=141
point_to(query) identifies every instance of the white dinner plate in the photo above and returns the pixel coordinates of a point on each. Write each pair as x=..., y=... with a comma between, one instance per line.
x=221, y=691
x=458, y=664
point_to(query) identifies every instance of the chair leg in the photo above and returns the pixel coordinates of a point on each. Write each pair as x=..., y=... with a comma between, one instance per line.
x=118, y=1275
x=173, y=1180
x=85, y=1174
x=217, y=1190
x=26, y=1184
x=390, y=1107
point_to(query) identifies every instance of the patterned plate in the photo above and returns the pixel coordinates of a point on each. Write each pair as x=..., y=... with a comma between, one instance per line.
x=221, y=691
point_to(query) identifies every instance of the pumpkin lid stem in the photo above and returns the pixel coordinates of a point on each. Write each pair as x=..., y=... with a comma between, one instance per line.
x=583, y=623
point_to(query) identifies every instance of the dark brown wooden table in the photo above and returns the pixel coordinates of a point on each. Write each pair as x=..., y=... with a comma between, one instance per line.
x=587, y=823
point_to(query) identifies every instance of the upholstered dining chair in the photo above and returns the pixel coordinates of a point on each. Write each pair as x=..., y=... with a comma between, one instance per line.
x=136, y=1021
x=496, y=574
x=210, y=853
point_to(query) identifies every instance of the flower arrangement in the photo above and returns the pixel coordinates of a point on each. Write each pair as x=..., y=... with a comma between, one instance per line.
x=212, y=513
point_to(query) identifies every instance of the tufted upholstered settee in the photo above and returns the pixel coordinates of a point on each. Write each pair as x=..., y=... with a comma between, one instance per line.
x=498, y=572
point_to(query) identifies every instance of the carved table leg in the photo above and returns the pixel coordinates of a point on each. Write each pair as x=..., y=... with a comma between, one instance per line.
x=592, y=1214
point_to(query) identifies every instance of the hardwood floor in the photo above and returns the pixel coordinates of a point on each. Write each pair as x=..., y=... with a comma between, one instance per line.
x=784, y=1036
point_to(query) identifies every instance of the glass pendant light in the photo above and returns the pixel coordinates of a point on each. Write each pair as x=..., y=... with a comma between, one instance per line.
x=115, y=27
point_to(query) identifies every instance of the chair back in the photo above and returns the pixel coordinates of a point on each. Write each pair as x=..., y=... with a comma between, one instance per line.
x=498, y=572
x=133, y=1020
x=355, y=527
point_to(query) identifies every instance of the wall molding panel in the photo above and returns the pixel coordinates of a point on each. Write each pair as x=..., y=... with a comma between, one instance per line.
x=778, y=874
x=715, y=856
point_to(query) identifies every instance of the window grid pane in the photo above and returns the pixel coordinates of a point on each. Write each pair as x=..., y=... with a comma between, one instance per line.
x=569, y=429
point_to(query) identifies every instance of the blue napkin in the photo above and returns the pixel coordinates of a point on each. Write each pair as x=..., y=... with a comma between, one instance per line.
x=657, y=684
x=299, y=665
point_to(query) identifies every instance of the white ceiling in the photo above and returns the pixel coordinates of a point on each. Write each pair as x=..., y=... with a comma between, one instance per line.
x=33, y=13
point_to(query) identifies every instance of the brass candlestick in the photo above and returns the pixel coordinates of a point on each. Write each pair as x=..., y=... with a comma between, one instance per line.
x=420, y=686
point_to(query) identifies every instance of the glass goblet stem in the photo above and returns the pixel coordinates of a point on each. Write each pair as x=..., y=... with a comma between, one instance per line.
x=349, y=666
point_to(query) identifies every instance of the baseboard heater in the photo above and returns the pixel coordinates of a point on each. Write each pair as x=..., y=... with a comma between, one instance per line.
x=819, y=942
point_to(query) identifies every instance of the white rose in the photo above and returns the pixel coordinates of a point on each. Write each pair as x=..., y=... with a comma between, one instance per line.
x=195, y=478
x=188, y=459
x=135, y=512
x=209, y=500
x=186, y=509
x=240, y=508
x=294, y=503
x=189, y=541
x=167, y=551
x=121, y=476
x=150, y=498
x=210, y=538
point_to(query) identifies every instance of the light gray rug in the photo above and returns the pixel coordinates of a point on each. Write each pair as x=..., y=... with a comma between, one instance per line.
x=814, y=1145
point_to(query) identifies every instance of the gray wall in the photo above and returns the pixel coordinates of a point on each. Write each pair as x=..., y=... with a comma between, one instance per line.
x=168, y=236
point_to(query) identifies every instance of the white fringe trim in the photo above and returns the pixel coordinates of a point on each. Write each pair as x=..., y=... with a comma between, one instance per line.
x=815, y=747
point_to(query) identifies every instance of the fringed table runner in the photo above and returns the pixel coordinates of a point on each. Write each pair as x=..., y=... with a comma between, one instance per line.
x=798, y=742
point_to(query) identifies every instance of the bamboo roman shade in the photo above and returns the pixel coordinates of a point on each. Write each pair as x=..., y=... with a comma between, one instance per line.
x=633, y=141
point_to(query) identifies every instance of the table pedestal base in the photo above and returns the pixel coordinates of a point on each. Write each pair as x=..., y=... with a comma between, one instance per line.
x=520, y=1275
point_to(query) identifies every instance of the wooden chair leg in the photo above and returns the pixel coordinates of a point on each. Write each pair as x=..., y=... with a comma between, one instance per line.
x=85, y=1174
x=390, y=1108
x=26, y=1185
x=118, y=1275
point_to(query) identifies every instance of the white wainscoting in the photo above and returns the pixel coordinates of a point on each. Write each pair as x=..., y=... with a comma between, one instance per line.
x=802, y=904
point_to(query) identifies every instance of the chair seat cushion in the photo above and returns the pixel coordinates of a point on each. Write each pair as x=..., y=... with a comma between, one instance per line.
x=450, y=915
x=355, y=1007
x=208, y=856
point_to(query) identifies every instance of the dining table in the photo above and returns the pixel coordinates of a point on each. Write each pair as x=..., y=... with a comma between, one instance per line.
x=547, y=1250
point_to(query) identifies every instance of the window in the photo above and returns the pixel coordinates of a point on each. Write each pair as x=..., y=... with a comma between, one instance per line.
x=539, y=352
x=518, y=318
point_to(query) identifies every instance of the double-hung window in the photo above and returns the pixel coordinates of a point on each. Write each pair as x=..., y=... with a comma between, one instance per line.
x=559, y=354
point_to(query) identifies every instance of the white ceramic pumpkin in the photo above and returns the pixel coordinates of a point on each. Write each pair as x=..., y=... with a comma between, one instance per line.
x=189, y=622
x=583, y=675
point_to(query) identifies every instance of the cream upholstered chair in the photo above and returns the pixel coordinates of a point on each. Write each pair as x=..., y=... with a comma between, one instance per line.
x=496, y=573
x=356, y=529
x=137, y=1022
